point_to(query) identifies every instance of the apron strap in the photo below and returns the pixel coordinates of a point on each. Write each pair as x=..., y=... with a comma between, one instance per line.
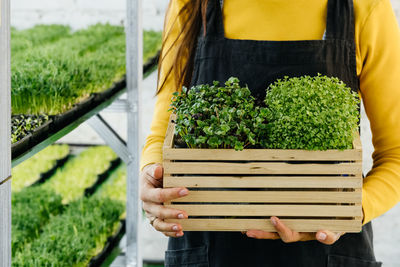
x=215, y=24
x=340, y=20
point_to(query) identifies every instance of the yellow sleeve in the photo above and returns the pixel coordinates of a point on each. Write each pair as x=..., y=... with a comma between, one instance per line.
x=152, y=151
x=379, y=41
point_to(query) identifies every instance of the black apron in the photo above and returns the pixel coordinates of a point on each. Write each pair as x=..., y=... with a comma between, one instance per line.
x=257, y=64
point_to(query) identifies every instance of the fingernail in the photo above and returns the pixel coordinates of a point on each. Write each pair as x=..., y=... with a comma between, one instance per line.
x=183, y=192
x=181, y=216
x=273, y=221
x=179, y=234
x=321, y=236
x=175, y=228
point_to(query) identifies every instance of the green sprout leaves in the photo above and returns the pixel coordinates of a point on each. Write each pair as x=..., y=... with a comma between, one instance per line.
x=218, y=116
x=313, y=113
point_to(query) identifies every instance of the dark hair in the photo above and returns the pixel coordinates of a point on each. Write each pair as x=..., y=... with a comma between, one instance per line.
x=194, y=15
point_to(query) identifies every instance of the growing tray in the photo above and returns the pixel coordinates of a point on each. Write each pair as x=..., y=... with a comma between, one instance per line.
x=112, y=242
x=101, y=178
x=48, y=174
x=31, y=139
x=240, y=190
x=64, y=123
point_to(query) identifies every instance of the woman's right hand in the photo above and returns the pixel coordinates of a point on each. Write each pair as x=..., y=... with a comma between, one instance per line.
x=153, y=195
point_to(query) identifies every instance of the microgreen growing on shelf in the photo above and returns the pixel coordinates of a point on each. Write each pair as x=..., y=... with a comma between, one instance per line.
x=51, y=73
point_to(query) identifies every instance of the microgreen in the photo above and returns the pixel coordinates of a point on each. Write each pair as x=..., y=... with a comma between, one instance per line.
x=29, y=171
x=217, y=116
x=80, y=172
x=67, y=67
x=74, y=237
x=22, y=125
x=313, y=113
x=31, y=209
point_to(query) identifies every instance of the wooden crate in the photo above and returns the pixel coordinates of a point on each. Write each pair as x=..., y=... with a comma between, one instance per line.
x=239, y=190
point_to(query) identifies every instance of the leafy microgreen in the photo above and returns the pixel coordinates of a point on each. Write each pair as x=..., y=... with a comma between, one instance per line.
x=313, y=113
x=216, y=116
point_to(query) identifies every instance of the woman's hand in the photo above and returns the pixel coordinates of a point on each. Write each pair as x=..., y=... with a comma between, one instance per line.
x=289, y=236
x=153, y=195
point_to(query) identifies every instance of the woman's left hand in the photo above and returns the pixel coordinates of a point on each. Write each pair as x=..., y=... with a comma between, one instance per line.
x=289, y=236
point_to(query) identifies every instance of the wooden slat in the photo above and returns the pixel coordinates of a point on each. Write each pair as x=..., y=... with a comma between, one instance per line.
x=260, y=168
x=300, y=225
x=357, y=142
x=270, y=210
x=169, y=137
x=261, y=154
x=263, y=182
x=271, y=197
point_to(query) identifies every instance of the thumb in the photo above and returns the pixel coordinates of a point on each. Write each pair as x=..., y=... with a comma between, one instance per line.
x=328, y=237
x=157, y=171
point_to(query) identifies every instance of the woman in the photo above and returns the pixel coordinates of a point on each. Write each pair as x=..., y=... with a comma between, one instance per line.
x=211, y=40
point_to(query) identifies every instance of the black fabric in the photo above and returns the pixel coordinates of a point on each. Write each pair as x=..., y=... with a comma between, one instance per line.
x=257, y=64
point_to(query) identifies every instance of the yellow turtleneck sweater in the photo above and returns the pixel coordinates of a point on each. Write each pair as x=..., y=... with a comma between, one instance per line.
x=377, y=37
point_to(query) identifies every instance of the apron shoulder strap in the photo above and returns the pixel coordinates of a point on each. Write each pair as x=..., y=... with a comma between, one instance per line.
x=340, y=20
x=215, y=24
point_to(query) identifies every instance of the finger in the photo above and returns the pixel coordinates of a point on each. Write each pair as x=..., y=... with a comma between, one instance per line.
x=154, y=174
x=163, y=226
x=258, y=234
x=287, y=235
x=154, y=182
x=162, y=212
x=173, y=234
x=160, y=195
x=158, y=172
x=328, y=237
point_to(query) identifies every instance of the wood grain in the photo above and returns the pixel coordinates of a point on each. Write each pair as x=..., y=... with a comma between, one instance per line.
x=263, y=181
x=300, y=225
x=270, y=210
x=260, y=154
x=271, y=197
x=260, y=168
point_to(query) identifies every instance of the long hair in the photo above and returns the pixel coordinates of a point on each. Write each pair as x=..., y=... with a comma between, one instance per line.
x=194, y=15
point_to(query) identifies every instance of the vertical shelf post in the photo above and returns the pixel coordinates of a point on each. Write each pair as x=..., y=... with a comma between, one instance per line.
x=134, y=74
x=5, y=132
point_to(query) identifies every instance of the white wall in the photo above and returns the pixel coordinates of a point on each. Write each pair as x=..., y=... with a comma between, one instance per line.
x=80, y=13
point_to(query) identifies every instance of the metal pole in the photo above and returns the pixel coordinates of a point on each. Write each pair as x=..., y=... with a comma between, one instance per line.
x=5, y=143
x=134, y=74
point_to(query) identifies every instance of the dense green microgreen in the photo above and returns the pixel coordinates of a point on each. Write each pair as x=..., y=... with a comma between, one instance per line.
x=28, y=172
x=51, y=77
x=22, y=125
x=31, y=209
x=74, y=237
x=218, y=116
x=115, y=186
x=81, y=172
x=313, y=113
x=37, y=36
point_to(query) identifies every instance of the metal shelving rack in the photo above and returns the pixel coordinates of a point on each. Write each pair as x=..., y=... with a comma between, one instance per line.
x=128, y=152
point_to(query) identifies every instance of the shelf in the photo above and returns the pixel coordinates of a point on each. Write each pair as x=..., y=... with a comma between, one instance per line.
x=61, y=125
